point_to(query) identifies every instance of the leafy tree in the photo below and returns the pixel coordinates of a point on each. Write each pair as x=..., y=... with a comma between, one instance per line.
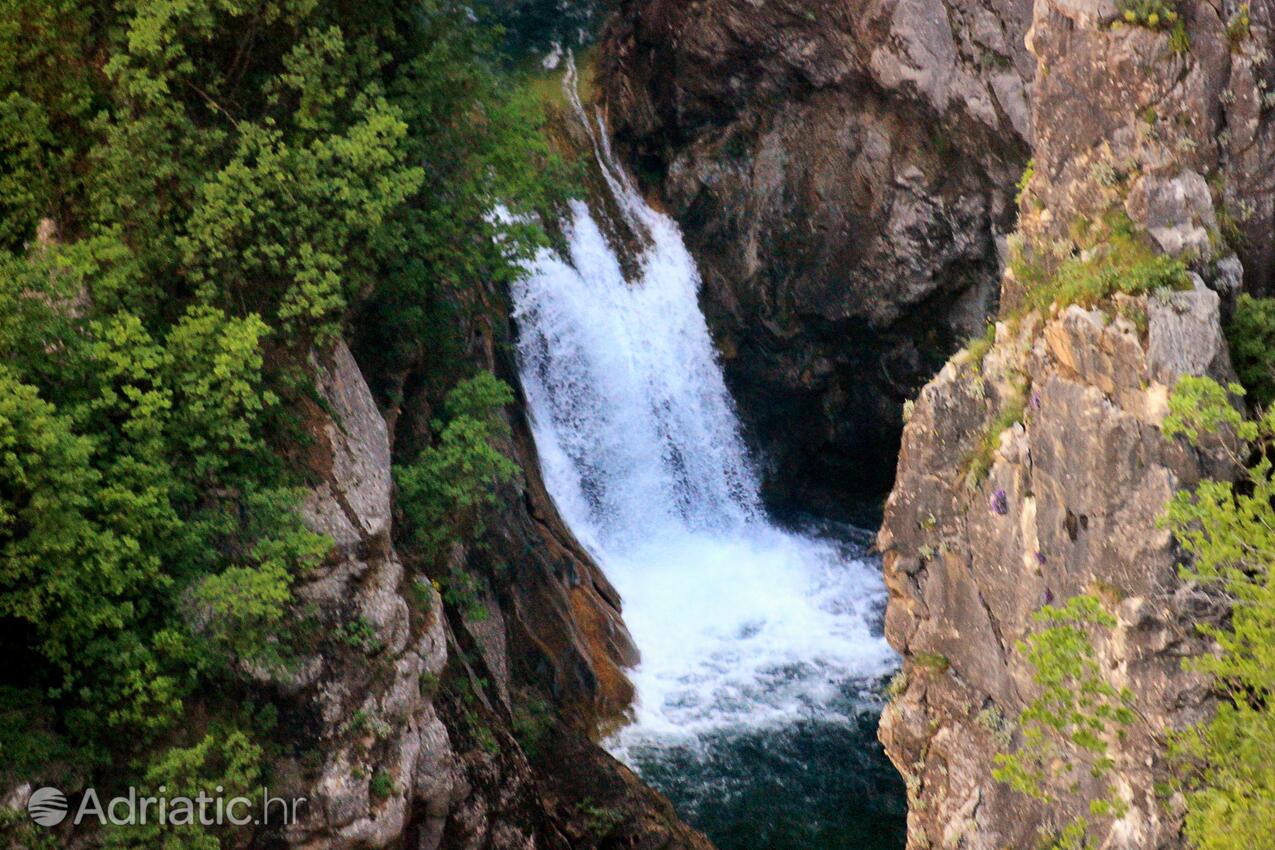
x=444, y=490
x=227, y=186
x=1229, y=533
x=1251, y=335
x=224, y=763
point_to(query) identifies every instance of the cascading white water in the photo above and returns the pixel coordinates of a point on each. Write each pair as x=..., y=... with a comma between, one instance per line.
x=740, y=624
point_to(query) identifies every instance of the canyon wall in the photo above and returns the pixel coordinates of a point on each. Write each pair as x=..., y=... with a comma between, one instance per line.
x=479, y=715
x=846, y=175
x=1129, y=122
x=843, y=173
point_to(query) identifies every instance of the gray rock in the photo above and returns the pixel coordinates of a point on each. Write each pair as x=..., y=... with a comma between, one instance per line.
x=1176, y=211
x=841, y=175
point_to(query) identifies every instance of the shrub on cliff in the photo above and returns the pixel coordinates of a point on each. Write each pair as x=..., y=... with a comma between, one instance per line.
x=1109, y=256
x=1227, y=774
x=222, y=186
x=1251, y=335
x=1068, y=728
x=444, y=490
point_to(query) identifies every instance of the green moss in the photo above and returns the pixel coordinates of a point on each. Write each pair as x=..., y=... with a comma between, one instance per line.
x=931, y=662
x=547, y=87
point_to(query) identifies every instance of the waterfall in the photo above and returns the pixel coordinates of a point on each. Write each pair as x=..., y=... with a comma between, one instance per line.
x=741, y=624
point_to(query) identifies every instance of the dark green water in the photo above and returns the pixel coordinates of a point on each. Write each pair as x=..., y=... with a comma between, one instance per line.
x=821, y=785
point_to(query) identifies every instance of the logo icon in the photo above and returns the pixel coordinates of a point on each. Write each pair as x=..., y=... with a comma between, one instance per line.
x=47, y=807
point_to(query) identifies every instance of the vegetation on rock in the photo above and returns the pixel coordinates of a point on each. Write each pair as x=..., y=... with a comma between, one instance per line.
x=1228, y=531
x=1251, y=335
x=1106, y=257
x=193, y=197
x=1070, y=726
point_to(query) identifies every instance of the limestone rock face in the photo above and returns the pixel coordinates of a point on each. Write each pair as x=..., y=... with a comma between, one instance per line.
x=1069, y=506
x=361, y=702
x=1129, y=99
x=1124, y=124
x=842, y=173
x=402, y=686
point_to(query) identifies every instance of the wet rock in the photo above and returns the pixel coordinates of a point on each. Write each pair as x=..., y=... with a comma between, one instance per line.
x=842, y=176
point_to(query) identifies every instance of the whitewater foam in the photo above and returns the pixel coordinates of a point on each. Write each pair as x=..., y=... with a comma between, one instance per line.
x=740, y=624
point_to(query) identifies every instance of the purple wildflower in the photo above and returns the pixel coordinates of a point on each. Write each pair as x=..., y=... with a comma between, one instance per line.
x=1000, y=502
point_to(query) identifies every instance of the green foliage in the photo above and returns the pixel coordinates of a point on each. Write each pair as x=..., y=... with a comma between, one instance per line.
x=979, y=462
x=1025, y=182
x=1153, y=14
x=600, y=821
x=20, y=831
x=1228, y=531
x=1200, y=406
x=486, y=739
x=225, y=762
x=229, y=185
x=381, y=785
x=1251, y=335
x=30, y=747
x=1073, y=718
x=1112, y=258
x=532, y=724
x=45, y=68
x=245, y=605
x=359, y=634
x=1179, y=40
x=444, y=490
x=978, y=346
x=1238, y=27
x=285, y=227
x=463, y=591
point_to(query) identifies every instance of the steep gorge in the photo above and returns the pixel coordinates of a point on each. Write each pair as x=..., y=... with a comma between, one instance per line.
x=1078, y=478
x=846, y=179
x=844, y=174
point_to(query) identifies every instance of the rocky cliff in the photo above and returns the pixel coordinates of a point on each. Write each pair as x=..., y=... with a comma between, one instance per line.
x=422, y=723
x=1033, y=468
x=843, y=173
